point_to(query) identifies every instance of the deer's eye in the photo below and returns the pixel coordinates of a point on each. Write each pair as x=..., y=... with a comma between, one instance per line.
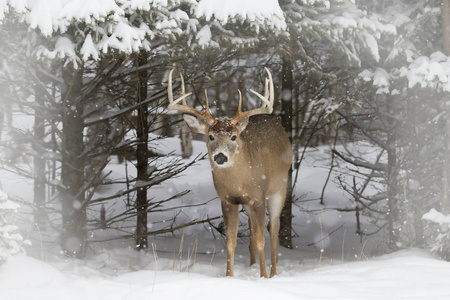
x=211, y=138
x=233, y=138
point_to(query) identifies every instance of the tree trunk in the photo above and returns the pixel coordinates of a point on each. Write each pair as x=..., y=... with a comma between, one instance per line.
x=142, y=154
x=392, y=186
x=287, y=89
x=186, y=140
x=2, y=108
x=415, y=190
x=72, y=168
x=446, y=176
x=39, y=161
x=445, y=11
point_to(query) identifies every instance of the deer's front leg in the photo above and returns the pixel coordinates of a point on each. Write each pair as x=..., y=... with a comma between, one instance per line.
x=257, y=218
x=231, y=219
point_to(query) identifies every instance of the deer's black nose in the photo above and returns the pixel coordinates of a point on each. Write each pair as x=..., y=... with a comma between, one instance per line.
x=220, y=159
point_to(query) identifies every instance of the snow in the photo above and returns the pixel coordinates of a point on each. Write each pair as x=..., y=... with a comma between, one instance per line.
x=89, y=11
x=328, y=260
x=332, y=266
x=5, y=204
x=204, y=36
x=49, y=16
x=262, y=12
x=440, y=243
x=372, y=45
x=380, y=77
x=64, y=48
x=88, y=49
x=43, y=15
x=11, y=240
x=125, y=38
x=410, y=274
x=434, y=216
x=19, y=6
x=108, y=26
x=429, y=72
x=344, y=21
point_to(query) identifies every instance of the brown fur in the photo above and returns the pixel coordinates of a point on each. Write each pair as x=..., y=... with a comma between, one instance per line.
x=250, y=158
x=259, y=162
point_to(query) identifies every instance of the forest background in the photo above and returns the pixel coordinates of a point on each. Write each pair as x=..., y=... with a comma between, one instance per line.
x=363, y=83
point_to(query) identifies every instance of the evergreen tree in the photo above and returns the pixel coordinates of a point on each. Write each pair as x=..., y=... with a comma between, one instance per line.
x=402, y=117
x=11, y=241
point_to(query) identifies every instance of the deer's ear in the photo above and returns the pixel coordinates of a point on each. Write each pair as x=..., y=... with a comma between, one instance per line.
x=196, y=125
x=241, y=125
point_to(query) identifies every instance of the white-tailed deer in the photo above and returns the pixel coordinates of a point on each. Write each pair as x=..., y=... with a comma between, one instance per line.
x=250, y=156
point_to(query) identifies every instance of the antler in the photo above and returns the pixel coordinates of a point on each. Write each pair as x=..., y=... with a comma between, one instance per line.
x=173, y=104
x=266, y=107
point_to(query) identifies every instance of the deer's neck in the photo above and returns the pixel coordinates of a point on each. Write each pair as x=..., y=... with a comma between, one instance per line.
x=236, y=183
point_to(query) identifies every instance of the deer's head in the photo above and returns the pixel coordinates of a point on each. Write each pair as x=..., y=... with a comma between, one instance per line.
x=223, y=134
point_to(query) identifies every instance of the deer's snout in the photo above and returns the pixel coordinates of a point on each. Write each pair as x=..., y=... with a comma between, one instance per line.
x=220, y=158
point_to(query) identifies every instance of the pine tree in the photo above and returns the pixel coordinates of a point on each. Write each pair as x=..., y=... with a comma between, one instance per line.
x=11, y=241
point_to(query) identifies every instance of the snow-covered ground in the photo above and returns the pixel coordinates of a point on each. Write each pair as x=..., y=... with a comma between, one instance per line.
x=409, y=274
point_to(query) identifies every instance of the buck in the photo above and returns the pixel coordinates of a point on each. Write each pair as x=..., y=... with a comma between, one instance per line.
x=250, y=157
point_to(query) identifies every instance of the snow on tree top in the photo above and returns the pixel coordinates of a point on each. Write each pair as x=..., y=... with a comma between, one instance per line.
x=434, y=216
x=267, y=12
x=429, y=72
x=6, y=204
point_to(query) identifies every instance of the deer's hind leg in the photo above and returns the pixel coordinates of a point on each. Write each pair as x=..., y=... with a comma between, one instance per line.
x=275, y=204
x=252, y=246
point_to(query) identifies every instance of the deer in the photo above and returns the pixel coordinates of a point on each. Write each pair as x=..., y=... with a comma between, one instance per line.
x=250, y=156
